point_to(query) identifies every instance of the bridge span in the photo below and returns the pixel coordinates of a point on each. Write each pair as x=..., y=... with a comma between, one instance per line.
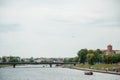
x=36, y=63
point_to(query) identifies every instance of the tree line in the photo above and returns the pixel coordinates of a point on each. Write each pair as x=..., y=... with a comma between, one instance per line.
x=94, y=56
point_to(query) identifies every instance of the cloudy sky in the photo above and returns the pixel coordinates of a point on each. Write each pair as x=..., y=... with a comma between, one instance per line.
x=57, y=28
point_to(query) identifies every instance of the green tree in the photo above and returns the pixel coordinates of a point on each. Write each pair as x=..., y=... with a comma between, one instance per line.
x=4, y=60
x=82, y=55
x=65, y=60
x=99, y=58
x=91, y=51
x=31, y=59
x=76, y=59
x=118, y=57
x=99, y=51
x=70, y=59
x=105, y=58
x=91, y=58
x=13, y=59
x=98, y=55
x=109, y=58
x=22, y=60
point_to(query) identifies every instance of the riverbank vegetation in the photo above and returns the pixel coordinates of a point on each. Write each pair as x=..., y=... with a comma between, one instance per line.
x=99, y=66
x=96, y=56
x=1, y=66
x=96, y=59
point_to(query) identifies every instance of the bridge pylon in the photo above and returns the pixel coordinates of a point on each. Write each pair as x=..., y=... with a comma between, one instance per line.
x=50, y=65
x=14, y=65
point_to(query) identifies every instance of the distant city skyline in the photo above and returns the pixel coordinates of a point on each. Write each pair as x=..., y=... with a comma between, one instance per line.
x=57, y=28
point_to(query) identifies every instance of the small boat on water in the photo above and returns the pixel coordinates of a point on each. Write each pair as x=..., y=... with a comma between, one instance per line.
x=88, y=73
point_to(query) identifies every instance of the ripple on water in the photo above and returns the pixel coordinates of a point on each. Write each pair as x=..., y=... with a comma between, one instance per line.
x=35, y=72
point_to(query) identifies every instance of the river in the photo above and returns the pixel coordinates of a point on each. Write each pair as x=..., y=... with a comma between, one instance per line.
x=38, y=72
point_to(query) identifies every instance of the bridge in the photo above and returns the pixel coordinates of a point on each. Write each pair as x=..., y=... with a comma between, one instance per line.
x=35, y=63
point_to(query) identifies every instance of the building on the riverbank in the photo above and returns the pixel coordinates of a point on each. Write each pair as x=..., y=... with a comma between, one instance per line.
x=110, y=50
x=57, y=59
x=39, y=59
x=48, y=59
x=25, y=59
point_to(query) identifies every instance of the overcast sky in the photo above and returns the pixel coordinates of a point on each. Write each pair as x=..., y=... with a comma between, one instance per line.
x=57, y=28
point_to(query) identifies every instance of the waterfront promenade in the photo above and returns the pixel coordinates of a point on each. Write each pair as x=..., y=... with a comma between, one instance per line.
x=94, y=70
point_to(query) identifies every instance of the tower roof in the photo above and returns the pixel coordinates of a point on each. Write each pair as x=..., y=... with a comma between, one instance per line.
x=110, y=45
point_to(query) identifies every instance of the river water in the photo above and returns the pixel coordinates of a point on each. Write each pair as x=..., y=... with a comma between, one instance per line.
x=36, y=72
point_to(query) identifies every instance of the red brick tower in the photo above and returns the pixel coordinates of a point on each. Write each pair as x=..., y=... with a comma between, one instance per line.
x=109, y=48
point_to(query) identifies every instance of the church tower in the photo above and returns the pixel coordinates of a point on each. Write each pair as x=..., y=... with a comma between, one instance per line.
x=110, y=50
x=109, y=47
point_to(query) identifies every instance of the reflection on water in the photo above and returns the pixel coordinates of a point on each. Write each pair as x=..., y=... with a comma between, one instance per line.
x=44, y=72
